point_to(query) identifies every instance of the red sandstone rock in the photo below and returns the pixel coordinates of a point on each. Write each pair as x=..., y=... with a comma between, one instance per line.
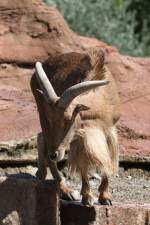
x=30, y=31
x=132, y=76
x=18, y=113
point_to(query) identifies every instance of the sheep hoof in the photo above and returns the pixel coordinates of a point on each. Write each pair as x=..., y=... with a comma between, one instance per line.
x=105, y=202
x=89, y=201
x=66, y=193
x=68, y=196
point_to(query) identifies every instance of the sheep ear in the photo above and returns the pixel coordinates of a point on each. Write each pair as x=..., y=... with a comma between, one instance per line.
x=80, y=107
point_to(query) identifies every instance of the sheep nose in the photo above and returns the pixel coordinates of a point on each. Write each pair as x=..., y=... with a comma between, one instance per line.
x=53, y=156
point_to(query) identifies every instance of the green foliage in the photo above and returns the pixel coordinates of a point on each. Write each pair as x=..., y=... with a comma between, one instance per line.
x=142, y=17
x=112, y=21
x=118, y=2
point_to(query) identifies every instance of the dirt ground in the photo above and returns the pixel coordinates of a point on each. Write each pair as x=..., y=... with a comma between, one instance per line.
x=129, y=186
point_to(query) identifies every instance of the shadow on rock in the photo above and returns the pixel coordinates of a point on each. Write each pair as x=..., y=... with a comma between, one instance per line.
x=16, y=195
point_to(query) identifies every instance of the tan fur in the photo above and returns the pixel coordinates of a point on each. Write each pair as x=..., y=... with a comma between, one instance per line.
x=112, y=142
x=97, y=57
x=92, y=148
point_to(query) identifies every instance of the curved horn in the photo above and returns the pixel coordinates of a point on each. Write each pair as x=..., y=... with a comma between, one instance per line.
x=78, y=89
x=45, y=85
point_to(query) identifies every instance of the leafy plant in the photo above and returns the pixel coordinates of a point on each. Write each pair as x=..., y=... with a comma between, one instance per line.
x=112, y=21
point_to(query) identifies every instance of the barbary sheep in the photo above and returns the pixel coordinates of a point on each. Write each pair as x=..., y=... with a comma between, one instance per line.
x=78, y=106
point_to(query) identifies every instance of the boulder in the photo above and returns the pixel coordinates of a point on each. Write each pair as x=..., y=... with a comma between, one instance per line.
x=31, y=31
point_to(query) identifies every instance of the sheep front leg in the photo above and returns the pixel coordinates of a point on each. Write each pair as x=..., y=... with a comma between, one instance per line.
x=104, y=196
x=65, y=192
x=87, y=197
x=42, y=170
x=44, y=159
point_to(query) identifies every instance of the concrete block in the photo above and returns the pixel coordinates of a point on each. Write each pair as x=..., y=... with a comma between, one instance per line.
x=26, y=201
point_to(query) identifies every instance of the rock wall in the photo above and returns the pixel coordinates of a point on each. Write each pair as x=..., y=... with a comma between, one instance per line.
x=31, y=31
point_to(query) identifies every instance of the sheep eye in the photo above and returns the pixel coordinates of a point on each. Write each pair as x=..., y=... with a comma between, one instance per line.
x=67, y=118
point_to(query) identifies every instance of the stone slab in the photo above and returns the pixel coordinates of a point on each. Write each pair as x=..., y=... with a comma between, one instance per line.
x=26, y=201
x=118, y=214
